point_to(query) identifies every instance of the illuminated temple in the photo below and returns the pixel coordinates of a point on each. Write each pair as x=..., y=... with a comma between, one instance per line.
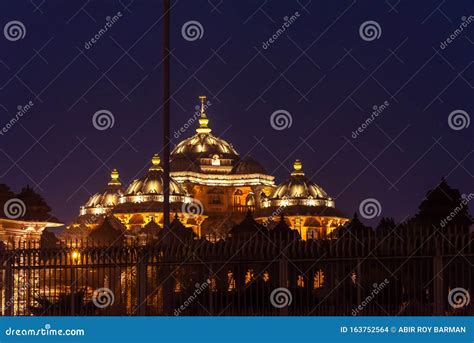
x=212, y=187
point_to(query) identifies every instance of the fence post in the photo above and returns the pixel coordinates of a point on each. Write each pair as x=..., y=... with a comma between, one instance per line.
x=438, y=283
x=9, y=301
x=283, y=281
x=141, y=282
x=359, y=280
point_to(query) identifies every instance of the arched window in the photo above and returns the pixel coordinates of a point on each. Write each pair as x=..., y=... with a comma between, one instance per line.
x=250, y=201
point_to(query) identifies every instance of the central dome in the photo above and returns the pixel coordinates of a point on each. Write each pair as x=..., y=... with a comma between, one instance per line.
x=204, y=152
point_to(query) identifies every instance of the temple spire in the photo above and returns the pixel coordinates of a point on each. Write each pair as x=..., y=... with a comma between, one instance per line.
x=297, y=166
x=114, y=178
x=155, y=163
x=203, y=121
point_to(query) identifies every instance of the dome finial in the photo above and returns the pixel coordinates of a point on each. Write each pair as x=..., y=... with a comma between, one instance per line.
x=203, y=121
x=203, y=99
x=114, y=178
x=155, y=162
x=297, y=168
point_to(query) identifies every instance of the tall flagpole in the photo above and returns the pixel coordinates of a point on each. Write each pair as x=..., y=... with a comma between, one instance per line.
x=166, y=114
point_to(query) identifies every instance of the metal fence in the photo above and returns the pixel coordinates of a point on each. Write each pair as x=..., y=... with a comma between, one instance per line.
x=394, y=275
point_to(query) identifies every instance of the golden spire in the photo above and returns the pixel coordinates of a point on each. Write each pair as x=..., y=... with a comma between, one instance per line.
x=114, y=178
x=297, y=166
x=155, y=162
x=203, y=121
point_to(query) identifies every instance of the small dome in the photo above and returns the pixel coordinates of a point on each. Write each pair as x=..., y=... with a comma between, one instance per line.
x=152, y=182
x=298, y=187
x=249, y=166
x=110, y=196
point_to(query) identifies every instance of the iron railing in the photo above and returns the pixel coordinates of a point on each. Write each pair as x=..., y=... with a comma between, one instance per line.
x=392, y=275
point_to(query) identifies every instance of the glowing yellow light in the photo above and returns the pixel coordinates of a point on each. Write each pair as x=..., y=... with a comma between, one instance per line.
x=297, y=165
x=75, y=255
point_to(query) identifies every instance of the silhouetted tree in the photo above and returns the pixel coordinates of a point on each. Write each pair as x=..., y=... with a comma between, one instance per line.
x=49, y=240
x=444, y=208
x=354, y=228
x=5, y=195
x=36, y=207
x=385, y=227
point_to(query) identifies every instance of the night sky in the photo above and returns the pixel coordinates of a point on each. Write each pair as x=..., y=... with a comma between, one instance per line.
x=319, y=70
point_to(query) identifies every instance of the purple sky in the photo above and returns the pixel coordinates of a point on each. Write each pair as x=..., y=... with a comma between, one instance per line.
x=320, y=70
